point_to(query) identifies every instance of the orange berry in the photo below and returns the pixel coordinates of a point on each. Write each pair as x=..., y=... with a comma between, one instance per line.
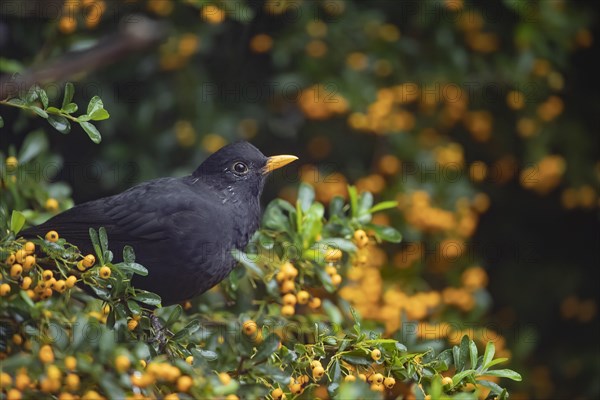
x=314, y=303
x=15, y=271
x=189, y=360
x=47, y=275
x=70, y=363
x=122, y=363
x=105, y=272
x=360, y=238
x=132, y=324
x=287, y=286
x=389, y=382
x=71, y=280
x=46, y=354
x=60, y=286
x=224, y=378
x=318, y=373
x=4, y=289
x=289, y=299
x=29, y=263
x=89, y=260
x=10, y=259
x=184, y=383
x=277, y=394
x=29, y=247
x=446, y=381
x=336, y=279
x=376, y=354
x=303, y=297
x=349, y=378
x=52, y=236
x=288, y=311
x=249, y=328
x=72, y=382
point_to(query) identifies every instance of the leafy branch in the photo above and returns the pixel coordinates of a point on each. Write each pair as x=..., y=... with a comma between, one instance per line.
x=36, y=101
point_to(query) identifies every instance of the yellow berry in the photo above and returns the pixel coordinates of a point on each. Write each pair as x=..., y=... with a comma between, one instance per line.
x=302, y=297
x=132, y=324
x=289, y=299
x=60, y=286
x=315, y=363
x=80, y=266
x=47, y=293
x=10, y=259
x=277, y=394
x=296, y=388
x=287, y=286
x=105, y=272
x=20, y=256
x=314, y=303
x=47, y=275
x=336, y=279
x=52, y=236
x=362, y=377
x=14, y=394
x=318, y=373
x=249, y=327
x=122, y=363
x=189, y=360
x=70, y=363
x=71, y=280
x=333, y=255
x=17, y=339
x=16, y=270
x=72, y=382
x=4, y=289
x=376, y=378
x=350, y=378
x=28, y=263
x=51, y=205
x=375, y=354
x=46, y=354
x=377, y=387
x=289, y=270
x=5, y=380
x=389, y=382
x=91, y=395
x=231, y=397
x=11, y=162
x=288, y=311
x=89, y=260
x=22, y=381
x=184, y=383
x=224, y=378
x=29, y=247
x=360, y=238
x=446, y=381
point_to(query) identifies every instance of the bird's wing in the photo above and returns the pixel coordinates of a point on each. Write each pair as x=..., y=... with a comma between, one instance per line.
x=142, y=213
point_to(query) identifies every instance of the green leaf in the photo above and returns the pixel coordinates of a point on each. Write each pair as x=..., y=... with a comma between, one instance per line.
x=1, y=122
x=59, y=123
x=134, y=307
x=384, y=205
x=306, y=196
x=133, y=267
x=95, y=241
x=32, y=95
x=91, y=131
x=339, y=243
x=386, y=233
x=34, y=144
x=494, y=387
x=353, y=200
x=39, y=111
x=473, y=354
x=70, y=108
x=189, y=329
x=463, y=353
x=365, y=202
x=494, y=362
x=457, y=378
x=267, y=347
x=84, y=118
x=505, y=373
x=17, y=220
x=128, y=254
x=488, y=355
x=68, y=96
x=149, y=298
x=103, y=239
x=175, y=314
x=246, y=261
x=99, y=115
x=94, y=105
x=42, y=95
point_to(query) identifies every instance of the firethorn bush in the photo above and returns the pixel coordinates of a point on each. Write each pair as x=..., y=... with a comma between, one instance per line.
x=290, y=332
x=287, y=322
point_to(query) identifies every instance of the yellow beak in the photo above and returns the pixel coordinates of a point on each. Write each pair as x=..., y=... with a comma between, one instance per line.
x=276, y=162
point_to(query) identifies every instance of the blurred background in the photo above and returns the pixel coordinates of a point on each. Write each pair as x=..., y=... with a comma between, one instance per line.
x=479, y=118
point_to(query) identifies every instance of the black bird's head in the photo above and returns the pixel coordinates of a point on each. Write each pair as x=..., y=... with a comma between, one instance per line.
x=239, y=168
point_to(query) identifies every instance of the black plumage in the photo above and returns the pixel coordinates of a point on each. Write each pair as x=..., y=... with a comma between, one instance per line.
x=182, y=229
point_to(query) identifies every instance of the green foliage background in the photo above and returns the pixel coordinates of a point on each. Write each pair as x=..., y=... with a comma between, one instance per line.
x=528, y=114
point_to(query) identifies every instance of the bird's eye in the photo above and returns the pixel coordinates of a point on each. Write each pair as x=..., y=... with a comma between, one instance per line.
x=240, y=168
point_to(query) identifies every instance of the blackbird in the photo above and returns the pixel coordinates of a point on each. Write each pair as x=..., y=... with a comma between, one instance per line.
x=181, y=229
